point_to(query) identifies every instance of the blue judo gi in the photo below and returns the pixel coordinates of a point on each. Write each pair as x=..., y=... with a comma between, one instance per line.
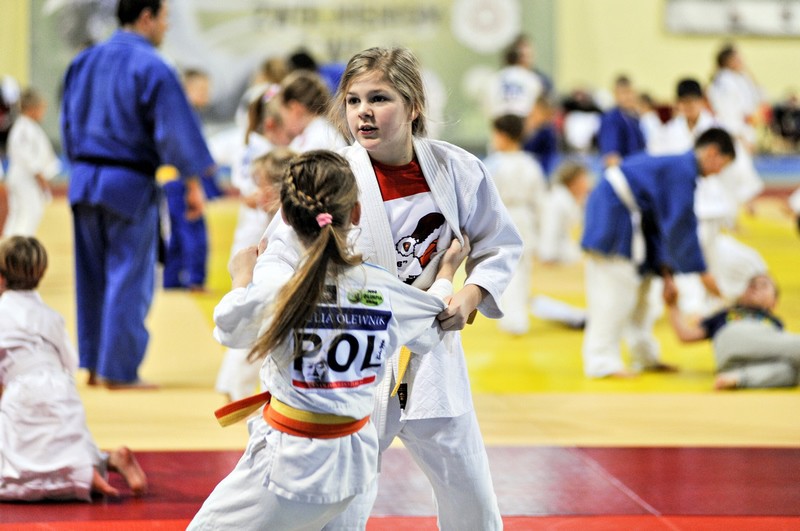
x=543, y=145
x=620, y=133
x=663, y=188
x=618, y=280
x=186, y=251
x=124, y=113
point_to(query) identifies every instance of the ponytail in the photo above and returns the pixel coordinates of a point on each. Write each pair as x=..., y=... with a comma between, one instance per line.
x=318, y=196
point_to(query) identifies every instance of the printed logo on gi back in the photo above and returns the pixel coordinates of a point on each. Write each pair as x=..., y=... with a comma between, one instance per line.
x=342, y=347
x=368, y=297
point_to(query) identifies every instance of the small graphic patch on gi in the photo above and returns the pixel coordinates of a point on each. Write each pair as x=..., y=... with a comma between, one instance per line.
x=368, y=297
x=332, y=317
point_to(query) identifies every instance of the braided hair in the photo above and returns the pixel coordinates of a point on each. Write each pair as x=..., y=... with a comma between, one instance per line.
x=318, y=196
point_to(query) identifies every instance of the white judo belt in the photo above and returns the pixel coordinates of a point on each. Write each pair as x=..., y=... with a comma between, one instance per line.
x=620, y=185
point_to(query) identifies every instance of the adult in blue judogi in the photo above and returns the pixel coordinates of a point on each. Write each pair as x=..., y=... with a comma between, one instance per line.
x=124, y=114
x=640, y=222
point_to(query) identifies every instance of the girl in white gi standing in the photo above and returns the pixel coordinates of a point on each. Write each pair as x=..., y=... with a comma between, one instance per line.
x=32, y=163
x=315, y=448
x=265, y=132
x=522, y=186
x=416, y=194
x=265, y=135
x=46, y=450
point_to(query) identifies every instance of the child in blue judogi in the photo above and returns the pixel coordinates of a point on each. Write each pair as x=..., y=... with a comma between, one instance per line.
x=640, y=222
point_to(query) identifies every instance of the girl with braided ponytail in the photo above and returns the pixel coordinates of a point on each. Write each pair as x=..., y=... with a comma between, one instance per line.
x=327, y=330
x=416, y=195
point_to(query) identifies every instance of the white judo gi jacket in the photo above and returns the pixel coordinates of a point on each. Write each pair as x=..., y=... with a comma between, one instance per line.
x=29, y=153
x=46, y=450
x=464, y=191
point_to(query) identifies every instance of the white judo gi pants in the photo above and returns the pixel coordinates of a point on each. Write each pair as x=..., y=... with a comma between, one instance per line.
x=242, y=501
x=620, y=305
x=451, y=453
x=26, y=206
x=516, y=298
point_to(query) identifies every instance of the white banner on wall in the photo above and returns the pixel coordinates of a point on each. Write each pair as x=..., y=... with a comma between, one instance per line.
x=775, y=18
x=229, y=39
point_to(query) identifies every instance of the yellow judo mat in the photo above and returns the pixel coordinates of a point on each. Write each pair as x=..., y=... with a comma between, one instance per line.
x=527, y=390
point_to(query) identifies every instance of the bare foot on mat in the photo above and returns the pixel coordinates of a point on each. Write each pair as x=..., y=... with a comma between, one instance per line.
x=123, y=461
x=101, y=486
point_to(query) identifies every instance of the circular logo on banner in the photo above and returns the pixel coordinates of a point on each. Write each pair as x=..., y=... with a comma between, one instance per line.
x=486, y=26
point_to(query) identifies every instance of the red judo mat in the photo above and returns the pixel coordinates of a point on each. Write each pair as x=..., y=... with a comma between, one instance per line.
x=515, y=523
x=537, y=488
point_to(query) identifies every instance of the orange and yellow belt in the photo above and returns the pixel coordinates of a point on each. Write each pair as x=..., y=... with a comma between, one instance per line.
x=288, y=419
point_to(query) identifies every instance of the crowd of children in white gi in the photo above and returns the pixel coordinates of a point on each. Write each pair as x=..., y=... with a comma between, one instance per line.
x=374, y=219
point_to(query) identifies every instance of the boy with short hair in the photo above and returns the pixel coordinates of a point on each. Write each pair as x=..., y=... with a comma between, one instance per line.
x=522, y=187
x=46, y=449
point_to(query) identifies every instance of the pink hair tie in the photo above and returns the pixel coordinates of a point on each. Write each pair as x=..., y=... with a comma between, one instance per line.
x=324, y=219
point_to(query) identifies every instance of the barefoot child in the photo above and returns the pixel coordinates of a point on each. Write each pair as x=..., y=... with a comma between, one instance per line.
x=46, y=450
x=640, y=223
x=751, y=348
x=315, y=448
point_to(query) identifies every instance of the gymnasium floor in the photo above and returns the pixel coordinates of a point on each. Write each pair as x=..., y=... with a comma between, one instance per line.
x=660, y=452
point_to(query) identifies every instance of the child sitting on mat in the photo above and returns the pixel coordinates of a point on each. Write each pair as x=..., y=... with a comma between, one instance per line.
x=46, y=450
x=751, y=348
x=314, y=448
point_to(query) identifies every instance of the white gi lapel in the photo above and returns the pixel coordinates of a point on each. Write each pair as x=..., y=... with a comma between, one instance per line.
x=443, y=191
x=441, y=184
x=375, y=239
x=619, y=183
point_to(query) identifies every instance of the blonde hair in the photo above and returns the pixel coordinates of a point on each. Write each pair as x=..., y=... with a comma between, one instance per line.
x=274, y=164
x=23, y=261
x=273, y=69
x=316, y=184
x=397, y=67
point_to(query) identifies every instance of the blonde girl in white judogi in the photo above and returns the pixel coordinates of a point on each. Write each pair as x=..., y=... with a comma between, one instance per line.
x=314, y=449
x=32, y=163
x=416, y=195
